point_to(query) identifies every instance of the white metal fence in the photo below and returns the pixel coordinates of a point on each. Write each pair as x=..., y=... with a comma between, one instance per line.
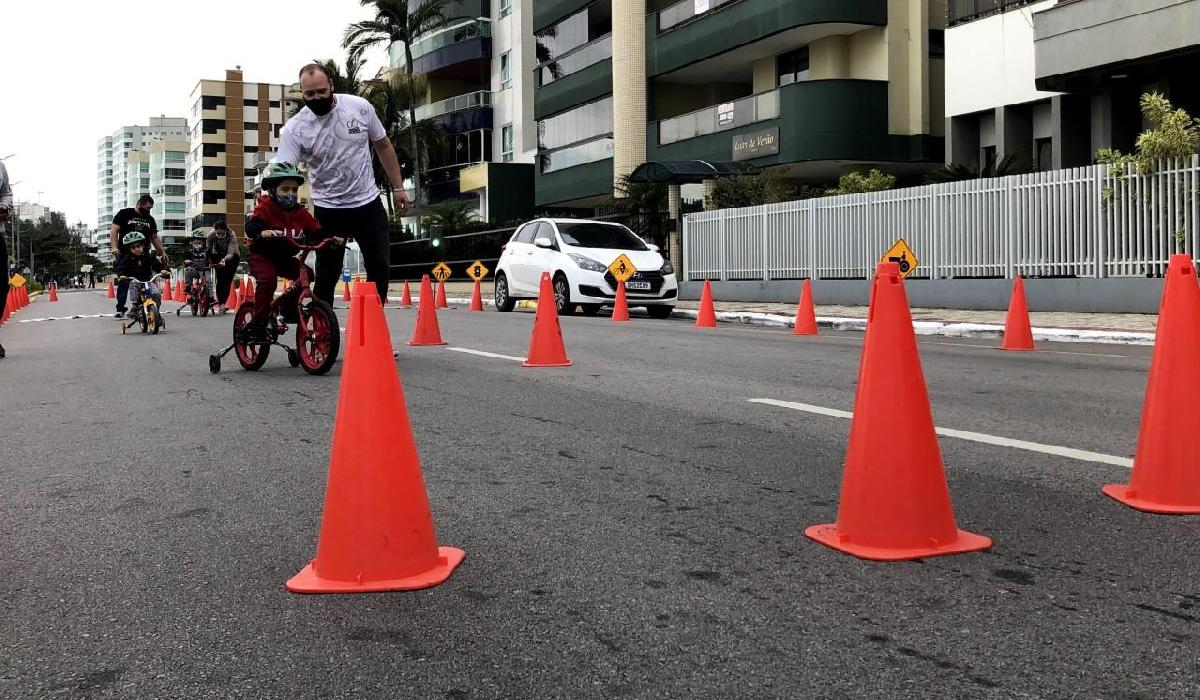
x=1081, y=222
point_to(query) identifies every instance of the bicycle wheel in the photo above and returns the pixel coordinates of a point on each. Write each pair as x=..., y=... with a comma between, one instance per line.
x=318, y=337
x=142, y=318
x=251, y=356
x=153, y=320
x=194, y=304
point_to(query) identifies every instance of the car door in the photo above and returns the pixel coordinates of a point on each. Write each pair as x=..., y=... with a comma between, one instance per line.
x=519, y=250
x=542, y=259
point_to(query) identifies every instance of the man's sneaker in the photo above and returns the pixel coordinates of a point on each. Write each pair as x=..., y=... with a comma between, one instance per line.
x=119, y=314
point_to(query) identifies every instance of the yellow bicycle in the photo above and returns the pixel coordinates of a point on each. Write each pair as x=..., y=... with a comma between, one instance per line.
x=146, y=310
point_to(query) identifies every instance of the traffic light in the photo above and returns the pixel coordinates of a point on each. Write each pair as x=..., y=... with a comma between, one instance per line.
x=435, y=235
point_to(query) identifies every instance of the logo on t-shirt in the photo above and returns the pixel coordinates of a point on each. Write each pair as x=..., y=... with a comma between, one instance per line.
x=354, y=126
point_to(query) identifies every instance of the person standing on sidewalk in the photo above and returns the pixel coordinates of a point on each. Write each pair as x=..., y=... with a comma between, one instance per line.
x=126, y=221
x=6, y=206
x=334, y=135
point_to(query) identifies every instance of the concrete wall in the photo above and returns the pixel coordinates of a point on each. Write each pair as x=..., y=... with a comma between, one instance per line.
x=1124, y=295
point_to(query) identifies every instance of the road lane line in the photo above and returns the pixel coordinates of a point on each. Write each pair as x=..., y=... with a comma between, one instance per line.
x=483, y=353
x=1056, y=450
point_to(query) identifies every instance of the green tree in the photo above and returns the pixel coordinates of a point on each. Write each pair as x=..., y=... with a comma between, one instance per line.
x=856, y=182
x=1010, y=164
x=751, y=189
x=395, y=99
x=395, y=22
x=453, y=215
x=1173, y=133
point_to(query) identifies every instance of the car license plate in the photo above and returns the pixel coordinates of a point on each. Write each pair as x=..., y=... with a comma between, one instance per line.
x=638, y=284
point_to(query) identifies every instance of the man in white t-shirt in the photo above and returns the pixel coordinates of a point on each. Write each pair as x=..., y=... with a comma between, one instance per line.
x=334, y=135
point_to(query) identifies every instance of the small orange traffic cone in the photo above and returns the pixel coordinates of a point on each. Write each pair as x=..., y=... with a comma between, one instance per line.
x=806, y=314
x=406, y=297
x=345, y=291
x=53, y=292
x=441, y=296
x=620, y=306
x=1017, y=333
x=1166, y=466
x=546, y=348
x=426, y=331
x=167, y=293
x=112, y=291
x=377, y=532
x=476, y=298
x=707, y=318
x=232, y=301
x=894, y=504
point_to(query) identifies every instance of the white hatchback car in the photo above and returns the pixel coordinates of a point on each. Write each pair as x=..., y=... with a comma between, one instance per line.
x=577, y=253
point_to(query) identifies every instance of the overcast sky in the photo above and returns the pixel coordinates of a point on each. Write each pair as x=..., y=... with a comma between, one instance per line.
x=74, y=71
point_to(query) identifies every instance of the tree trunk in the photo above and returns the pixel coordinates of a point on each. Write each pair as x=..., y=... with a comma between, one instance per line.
x=418, y=193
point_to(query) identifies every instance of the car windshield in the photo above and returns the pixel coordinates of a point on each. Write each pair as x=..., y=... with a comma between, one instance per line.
x=587, y=234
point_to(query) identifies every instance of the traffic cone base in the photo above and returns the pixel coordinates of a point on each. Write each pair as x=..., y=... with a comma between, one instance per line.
x=964, y=542
x=308, y=581
x=1126, y=495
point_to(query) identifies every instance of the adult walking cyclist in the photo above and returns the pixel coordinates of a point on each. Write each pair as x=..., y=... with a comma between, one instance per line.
x=6, y=205
x=334, y=135
x=125, y=222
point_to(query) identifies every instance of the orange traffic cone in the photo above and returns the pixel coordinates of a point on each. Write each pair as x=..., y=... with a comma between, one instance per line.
x=546, y=347
x=167, y=294
x=1166, y=467
x=406, y=297
x=476, y=298
x=345, y=291
x=441, y=296
x=53, y=292
x=112, y=291
x=377, y=532
x=806, y=315
x=707, y=318
x=1017, y=334
x=426, y=331
x=24, y=296
x=894, y=503
x=232, y=301
x=620, y=306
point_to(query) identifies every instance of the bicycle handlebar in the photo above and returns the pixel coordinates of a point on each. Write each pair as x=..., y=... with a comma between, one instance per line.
x=134, y=279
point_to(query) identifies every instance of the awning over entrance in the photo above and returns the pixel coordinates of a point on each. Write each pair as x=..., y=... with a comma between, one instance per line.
x=685, y=172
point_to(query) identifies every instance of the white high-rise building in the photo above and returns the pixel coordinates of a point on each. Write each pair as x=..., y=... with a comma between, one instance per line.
x=126, y=169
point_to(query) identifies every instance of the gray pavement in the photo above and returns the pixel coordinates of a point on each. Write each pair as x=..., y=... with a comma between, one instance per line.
x=633, y=524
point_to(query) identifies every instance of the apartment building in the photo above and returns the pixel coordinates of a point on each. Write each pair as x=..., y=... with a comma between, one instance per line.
x=124, y=171
x=1056, y=80
x=481, y=97
x=232, y=120
x=703, y=87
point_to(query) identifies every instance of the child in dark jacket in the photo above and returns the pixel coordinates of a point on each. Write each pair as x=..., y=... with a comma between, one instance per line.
x=139, y=264
x=277, y=215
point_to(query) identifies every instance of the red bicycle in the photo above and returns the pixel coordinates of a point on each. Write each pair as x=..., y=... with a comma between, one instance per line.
x=318, y=336
x=199, y=296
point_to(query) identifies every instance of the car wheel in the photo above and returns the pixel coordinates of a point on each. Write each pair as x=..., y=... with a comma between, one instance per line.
x=562, y=296
x=504, y=300
x=660, y=311
x=590, y=309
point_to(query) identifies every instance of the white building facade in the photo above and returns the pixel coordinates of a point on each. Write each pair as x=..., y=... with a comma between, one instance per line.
x=124, y=167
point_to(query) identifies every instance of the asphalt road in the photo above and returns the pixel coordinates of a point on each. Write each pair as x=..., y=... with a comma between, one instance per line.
x=633, y=524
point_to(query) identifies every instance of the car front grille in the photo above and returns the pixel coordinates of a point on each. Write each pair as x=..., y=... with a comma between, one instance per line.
x=655, y=279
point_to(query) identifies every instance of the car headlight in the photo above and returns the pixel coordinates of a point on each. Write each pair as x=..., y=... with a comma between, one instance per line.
x=666, y=269
x=587, y=263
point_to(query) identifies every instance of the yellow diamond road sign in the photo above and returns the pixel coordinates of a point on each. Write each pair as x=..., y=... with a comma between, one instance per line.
x=902, y=255
x=622, y=268
x=477, y=270
x=17, y=280
x=442, y=272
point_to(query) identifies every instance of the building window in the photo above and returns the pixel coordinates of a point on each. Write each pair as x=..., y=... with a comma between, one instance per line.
x=506, y=143
x=250, y=126
x=274, y=104
x=577, y=136
x=174, y=173
x=212, y=196
x=211, y=101
x=989, y=158
x=505, y=8
x=212, y=126
x=213, y=172
x=1043, y=154
x=793, y=66
x=251, y=103
x=505, y=70
x=937, y=43
x=212, y=150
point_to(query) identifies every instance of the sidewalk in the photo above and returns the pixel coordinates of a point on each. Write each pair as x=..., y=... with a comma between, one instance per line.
x=1126, y=329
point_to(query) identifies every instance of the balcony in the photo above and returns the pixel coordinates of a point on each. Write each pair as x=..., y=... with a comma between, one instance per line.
x=959, y=11
x=460, y=113
x=440, y=52
x=722, y=117
x=742, y=31
x=574, y=60
x=547, y=12
x=584, y=85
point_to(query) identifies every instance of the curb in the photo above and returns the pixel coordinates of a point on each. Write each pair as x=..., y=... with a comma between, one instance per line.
x=932, y=328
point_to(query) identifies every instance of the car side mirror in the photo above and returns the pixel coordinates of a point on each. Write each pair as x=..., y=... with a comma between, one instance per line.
x=543, y=242
x=653, y=247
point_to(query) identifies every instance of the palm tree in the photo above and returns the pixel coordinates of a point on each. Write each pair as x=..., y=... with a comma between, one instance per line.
x=645, y=202
x=394, y=101
x=453, y=215
x=1010, y=164
x=395, y=22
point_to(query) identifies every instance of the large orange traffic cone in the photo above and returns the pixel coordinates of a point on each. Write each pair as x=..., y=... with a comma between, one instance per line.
x=476, y=298
x=406, y=297
x=167, y=293
x=180, y=293
x=621, y=305
x=806, y=314
x=707, y=318
x=232, y=301
x=1166, y=467
x=895, y=504
x=1017, y=333
x=112, y=291
x=53, y=292
x=345, y=291
x=376, y=529
x=546, y=348
x=426, y=331
x=441, y=296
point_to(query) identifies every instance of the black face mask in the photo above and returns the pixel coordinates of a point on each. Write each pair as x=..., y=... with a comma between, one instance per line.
x=143, y=212
x=320, y=106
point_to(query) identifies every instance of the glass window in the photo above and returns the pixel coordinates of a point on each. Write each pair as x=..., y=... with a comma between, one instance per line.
x=937, y=43
x=174, y=173
x=506, y=142
x=1044, y=157
x=505, y=8
x=211, y=101
x=793, y=66
x=274, y=103
x=589, y=234
x=212, y=150
x=212, y=172
x=579, y=154
x=250, y=126
x=212, y=126
x=144, y=184
x=505, y=71
x=251, y=103
x=585, y=26
x=575, y=125
x=212, y=196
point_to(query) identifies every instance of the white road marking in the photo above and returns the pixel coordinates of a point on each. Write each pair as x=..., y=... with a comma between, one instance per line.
x=483, y=353
x=1056, y=450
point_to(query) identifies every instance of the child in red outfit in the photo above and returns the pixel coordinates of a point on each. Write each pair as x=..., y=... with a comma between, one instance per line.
x=277, y=215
